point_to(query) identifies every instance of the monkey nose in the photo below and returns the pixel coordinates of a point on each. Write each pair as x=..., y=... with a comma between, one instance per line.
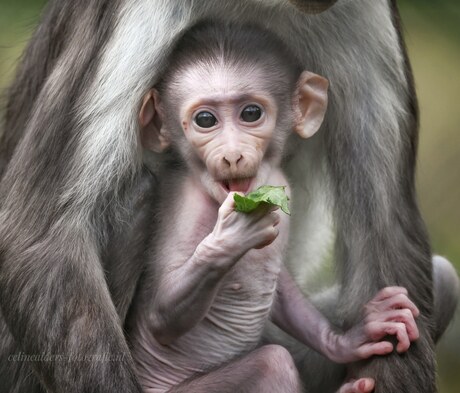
x=232, y=159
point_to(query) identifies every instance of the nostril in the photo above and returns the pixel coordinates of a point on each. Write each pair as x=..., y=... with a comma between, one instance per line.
x=232, y=160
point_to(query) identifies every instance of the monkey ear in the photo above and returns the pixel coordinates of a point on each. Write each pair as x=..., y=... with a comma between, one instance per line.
x=310, y=103
x=152, y=130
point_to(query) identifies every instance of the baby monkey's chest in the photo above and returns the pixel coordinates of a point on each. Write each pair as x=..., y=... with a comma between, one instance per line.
x=253, y=279
x=254, y=275
x=245, y=298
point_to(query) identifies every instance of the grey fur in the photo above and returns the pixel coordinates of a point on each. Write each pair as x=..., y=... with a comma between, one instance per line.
x=74, y=164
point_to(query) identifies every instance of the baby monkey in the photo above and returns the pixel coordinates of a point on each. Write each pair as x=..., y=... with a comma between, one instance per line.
x=222, y=114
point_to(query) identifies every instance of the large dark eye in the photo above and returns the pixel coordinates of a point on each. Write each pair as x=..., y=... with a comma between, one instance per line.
x=205, y=120
x=251, y=113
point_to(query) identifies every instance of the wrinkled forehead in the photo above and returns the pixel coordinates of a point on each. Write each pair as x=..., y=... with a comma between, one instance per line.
x=218, y=79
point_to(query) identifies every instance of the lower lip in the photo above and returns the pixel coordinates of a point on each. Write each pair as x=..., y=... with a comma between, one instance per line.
x=238, y=186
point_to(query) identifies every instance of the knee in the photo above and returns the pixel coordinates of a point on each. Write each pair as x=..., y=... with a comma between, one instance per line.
x=446, y=292
x=446, y=281
x=278, y=367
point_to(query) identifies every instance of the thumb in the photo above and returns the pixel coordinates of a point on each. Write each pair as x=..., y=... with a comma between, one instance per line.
x=229, y=203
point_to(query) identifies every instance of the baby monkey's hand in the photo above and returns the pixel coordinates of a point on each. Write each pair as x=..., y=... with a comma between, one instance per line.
x=389, y=313
x=240, y=232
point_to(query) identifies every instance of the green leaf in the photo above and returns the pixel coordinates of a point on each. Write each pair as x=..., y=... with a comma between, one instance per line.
x=274, y=195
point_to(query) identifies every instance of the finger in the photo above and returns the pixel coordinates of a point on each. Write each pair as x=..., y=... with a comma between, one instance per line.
x=347, y=387
x=270, y=220
x=275, y=217
x=399, y=330
x=273, y=208
x=398, y=302
x=389, y=292
x=260, y=212
x=362, y=385
x=404, y=316
x=370, y=349
x=265, y=208
x=272, y=234
x=377, y=330
x=229, y=202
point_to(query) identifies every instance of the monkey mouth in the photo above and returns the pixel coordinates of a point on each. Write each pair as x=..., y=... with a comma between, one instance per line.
x=237, y=185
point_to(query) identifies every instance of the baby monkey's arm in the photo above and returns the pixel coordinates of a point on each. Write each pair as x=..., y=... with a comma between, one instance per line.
x=186, y=289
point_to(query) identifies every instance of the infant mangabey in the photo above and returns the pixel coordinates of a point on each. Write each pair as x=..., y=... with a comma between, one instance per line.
x=227, y=105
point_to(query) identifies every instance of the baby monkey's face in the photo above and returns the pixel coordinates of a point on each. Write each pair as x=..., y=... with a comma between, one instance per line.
x=229, y=119
x=233, y=129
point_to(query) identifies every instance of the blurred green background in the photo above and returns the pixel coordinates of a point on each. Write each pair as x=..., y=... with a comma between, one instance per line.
x=432, y=31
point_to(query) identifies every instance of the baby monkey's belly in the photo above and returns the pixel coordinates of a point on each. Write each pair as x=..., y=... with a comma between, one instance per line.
x=232, y=327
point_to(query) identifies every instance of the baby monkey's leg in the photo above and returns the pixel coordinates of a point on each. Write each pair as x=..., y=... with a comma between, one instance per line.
x=269, y=369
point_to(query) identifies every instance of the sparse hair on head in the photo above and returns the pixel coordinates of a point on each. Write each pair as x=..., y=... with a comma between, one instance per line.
x=233, y=45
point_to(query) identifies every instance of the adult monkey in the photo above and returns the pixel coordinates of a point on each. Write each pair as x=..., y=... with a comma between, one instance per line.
x=226, y=112
x=71, y=129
